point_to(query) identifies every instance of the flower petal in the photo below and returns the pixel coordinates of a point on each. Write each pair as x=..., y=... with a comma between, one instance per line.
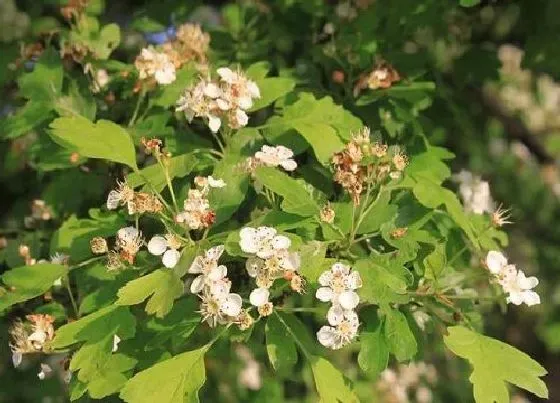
x=218, y=273
x=259, y=296
x=324, y=294
x=170, y=258
x=335, y=315
x=495, y=261
x=197, y=285
x=349, y=300
x=281, y=242
x=326, y=336
x=232, y=305
x=157, y=245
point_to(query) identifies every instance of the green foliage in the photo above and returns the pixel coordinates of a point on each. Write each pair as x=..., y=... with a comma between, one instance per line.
x=27, y=282
x=178, y=378
x=495, y=363
x=103, y=139
x=161, y=286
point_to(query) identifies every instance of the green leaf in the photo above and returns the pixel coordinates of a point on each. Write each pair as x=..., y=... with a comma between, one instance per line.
x=432, y=195
x=297, y=199
x=374, y=352
x=98, y=369
x=469, y=3
x=313, y=261
x=331, y=384
x=399, y=336
x=494, y=365
x=162, y=286
x=272, y=88
x=74, y=235
x=324, y=125
x=28, y=282
x=178, y=167
x=281, y=349
x=44, y=83
x=32, y=115
x=380, y=213
x=111, y=320
x=385, y=279
x=75, y=103
x=175, y=380
x=435, y=262
x=103, y=139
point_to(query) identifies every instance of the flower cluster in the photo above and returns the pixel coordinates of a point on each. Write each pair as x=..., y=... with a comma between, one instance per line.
x=136, y=202
x=415, y=378
x=272, y=157
x=191, y=43
x=196, y=208
x=513, y=281
x=167, y=247
x=362, y=162
x=32, y=336
x=271, y=260
x=338, y=286
x=381, y=77
x=227, y=99
x=219, y=305
x=475, y=193
x=155, y=64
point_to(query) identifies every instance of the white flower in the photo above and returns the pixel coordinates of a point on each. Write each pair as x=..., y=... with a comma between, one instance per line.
x=238, y=89
x=202, y=101
x=259, y=296
x=216, y=308
x=342, y=330
x=513, y=281
x=151, y=63
x=518, y=287
x=262, y=241
x=475, y=193
x=116, y=341
x=496, y=262
x=45, y=371
x=338, y=285
x=209, y=270
x=277, y=156
x=167, y=248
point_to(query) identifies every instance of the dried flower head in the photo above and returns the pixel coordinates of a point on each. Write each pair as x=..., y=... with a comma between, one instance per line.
x=129, y=241
x=327, y=214
x=244, y=320
x=98, y=245
x=500, y=217
x=192, y=43
x=153, y=64
x=266, y=309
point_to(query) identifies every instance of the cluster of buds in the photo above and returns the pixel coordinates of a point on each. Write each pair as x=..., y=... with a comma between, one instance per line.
x=278, y=156
x=515, y=284
x=31, y=336
x=219, y=305
x=196, y=212
x=327, y=214
x=362, y=163
x=381, y=77
x=136, y=202
x=167, y=247
x=159, y=65
x=40, y=211
x=338, y=286
x=415, y=378
x=271, y=260
x=227, y=99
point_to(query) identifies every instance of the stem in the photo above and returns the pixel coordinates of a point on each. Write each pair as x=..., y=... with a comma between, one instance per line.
x=169, y=184
x=137, y=108
x=219, y=141
x=71, y=295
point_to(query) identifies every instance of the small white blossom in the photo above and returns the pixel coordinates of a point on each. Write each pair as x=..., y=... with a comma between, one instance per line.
x=46, y=370
x=152, y=63
x=124, y=194
x=277, y=156
x=238, y=90
x=339, y=285
x=262, y=241
x=202, y=101
x=342, y=330
x=259, y=296
x=475, y=193
x=216, y=308
x=166, y=247
x=210, y=273
x=513, y=281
